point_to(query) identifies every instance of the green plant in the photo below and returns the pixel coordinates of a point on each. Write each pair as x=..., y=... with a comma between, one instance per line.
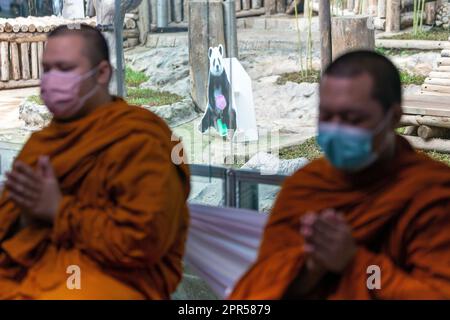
x=149, y=97
x=297, y=77
x=305, y=58
x=409, y=78
x=35, y=99
x=134, y=78
x=308, y=149
x=418, y=7
x=435, y=33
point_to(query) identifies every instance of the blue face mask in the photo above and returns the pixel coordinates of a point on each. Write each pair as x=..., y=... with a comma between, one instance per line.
x=348, y=148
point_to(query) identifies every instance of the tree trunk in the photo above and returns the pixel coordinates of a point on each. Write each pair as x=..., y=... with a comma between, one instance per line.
x=430, y=12
x=206, y=29
x=351, y=33
x=144, y=23
x=325, y=33
x=393, y=16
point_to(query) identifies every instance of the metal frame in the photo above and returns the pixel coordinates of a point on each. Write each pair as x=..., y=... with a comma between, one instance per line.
x=236, y=182
x=118, y=32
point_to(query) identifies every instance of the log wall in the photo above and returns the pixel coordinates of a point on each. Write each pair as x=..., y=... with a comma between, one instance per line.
x=22, y=42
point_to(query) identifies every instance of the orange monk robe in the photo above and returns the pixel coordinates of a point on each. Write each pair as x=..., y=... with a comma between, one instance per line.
x=123, y=219
x=400, y=219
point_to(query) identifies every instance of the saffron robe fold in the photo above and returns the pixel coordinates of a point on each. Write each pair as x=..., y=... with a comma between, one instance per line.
x=123, y=219
x=400, y=218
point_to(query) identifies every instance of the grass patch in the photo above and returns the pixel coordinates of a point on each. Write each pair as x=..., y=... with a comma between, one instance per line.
x=134, y=78
x=409, y=78
x=149, y=97
x=297, y=77
x=36, y=99
x=308, y=149
x=435, y=34
x=443, y=157
x=399, y=52
x=136, y=96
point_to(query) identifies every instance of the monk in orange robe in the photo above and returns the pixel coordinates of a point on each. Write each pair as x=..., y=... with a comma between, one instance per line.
x=371, y=219
x=95, y=207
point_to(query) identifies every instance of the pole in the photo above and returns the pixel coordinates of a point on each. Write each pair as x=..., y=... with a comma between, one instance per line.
x=229, y=10
x=118, y=28
x=162, y=14
x=325, y=33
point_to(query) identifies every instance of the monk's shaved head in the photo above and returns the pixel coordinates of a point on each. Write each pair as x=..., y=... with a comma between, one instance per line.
x=96, y=48
x=386, y=84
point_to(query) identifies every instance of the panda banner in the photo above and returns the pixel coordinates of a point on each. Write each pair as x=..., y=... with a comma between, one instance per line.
x=230, y=110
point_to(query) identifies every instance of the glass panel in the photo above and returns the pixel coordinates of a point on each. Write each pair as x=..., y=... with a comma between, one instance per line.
x=257, y=196
x=207, y=191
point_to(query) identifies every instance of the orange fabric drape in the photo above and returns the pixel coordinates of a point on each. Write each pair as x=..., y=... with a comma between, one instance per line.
x=400, y=218
x=123, y=218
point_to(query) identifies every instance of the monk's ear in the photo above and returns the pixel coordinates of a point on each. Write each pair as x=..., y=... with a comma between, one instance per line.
x=104, y=73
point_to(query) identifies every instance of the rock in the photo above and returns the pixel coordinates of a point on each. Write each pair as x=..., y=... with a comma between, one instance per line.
x=177, y=113
x=167, y=68
x=34, y=115
x=268, y=163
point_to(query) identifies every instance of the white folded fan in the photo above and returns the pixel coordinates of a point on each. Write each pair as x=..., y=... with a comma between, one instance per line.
x=222, y=244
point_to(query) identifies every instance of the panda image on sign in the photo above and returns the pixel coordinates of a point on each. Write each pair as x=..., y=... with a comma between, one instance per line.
x=219, y=112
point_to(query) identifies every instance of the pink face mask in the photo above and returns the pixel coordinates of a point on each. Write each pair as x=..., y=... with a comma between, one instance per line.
x=60, y=92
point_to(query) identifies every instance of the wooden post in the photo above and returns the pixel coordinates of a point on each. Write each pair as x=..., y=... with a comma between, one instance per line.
x=15, y=61
x=351, y=33
x=430, y=12
x=350, y=4
x=40, y=53
x=4, y=54
x=144, y=20
x=256, y=4
x=206, y=29
x=154, y=10
x=373, y=7
x=393, y=15
x=238, y=5
x=34, y=61
x=381, y=9
x=178, y=10
x=281, y=6
x=25, y=60
x=271, y=6
x=325, y=33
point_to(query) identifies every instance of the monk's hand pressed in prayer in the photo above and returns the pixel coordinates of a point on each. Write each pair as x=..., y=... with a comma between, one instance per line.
x=329, y=240
x=37, y=191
